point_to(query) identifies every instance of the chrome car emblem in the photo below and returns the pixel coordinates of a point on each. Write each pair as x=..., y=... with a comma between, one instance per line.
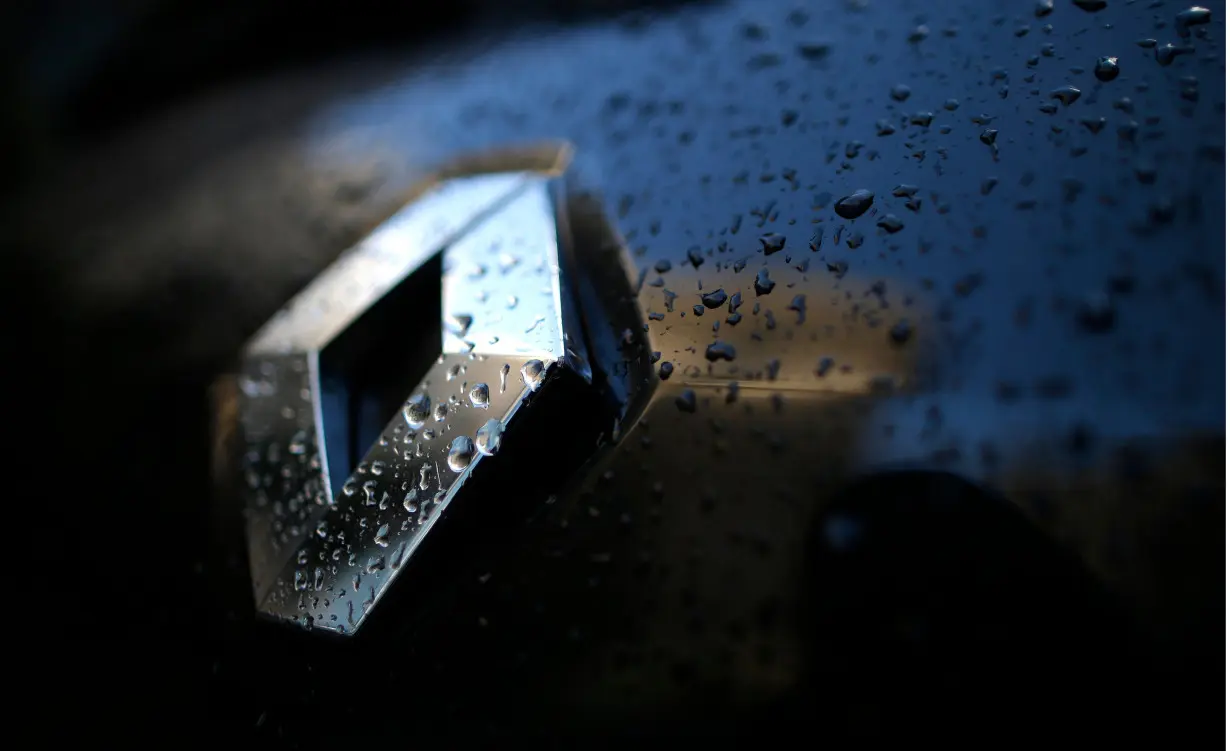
x=347, y=464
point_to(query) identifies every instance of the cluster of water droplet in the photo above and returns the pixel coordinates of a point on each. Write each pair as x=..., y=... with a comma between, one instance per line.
x=402, y=489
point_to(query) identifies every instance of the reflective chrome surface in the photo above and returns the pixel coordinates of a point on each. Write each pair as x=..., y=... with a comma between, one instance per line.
x=327, y=539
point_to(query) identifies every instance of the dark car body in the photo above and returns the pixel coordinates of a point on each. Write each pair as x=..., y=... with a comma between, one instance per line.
x=961, y=474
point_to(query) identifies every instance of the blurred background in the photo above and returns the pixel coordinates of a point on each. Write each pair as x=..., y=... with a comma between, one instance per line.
x=76, y=71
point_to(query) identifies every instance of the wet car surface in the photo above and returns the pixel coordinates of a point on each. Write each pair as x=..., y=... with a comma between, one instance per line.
x=955, y=457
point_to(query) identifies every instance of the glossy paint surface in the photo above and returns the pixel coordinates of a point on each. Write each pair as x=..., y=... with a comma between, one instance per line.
x=1033, y=301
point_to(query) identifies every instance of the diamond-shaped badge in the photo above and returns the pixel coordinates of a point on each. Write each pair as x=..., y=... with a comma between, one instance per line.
x=367, y=402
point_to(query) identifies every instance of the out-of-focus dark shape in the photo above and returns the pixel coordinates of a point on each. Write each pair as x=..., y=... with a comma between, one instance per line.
x=926, y=589
x=76, y=70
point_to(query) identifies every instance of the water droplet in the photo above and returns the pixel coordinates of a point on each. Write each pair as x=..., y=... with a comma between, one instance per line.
x=489, y=436
x=890, y=224
x=1193, y=16
x=714, y=299
x=382, y=536
x=1066, y=94
x=460, y=453
x=1090, y=6
x=855, y=204
x=763, y=284
x=459, y=324
x=719, y=351
x=665, y=370
x=686, y=401
x=417, y=408
x=814, y=51
x=799, y=305
x=1094, y=124
x=1106, y=69
x=533, y=373
x=480, y=395
x=1166, y=53
x=1097, y=313
x=504, y=377
x=901, y=332
x=772, y=243
x=441, y=412
x=410, y=501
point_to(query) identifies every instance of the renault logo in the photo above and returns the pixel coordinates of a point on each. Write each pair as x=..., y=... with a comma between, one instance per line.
x=349, y=454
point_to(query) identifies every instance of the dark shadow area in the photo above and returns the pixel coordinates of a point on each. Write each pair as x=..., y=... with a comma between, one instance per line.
x=940, y=608
x=75, y=71
x=367, y=372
